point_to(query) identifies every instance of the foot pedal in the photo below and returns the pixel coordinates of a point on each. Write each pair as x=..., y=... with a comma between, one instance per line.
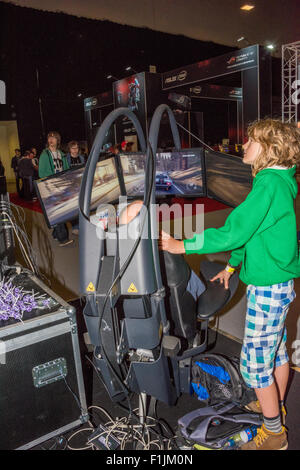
x=171, y=346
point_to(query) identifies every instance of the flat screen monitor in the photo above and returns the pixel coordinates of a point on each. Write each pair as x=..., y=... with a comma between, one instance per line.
x=58, y=194
x=178, y=173
x=228, y=179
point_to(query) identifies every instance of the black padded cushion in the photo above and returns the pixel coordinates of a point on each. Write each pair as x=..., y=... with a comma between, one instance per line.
x=212, y=300
x=181, y=307
x=175, y=268
x=210, y=268
x=215, y=296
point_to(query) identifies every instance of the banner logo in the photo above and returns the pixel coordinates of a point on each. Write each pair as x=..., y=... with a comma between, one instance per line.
x=182, y=75
x=2, y=92
x=90, y=103
x=296, y=94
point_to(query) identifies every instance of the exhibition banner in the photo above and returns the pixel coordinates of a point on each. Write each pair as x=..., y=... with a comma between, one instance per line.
x=130, y=93
x=216, y=92
x=235, y=61
x=98, y=101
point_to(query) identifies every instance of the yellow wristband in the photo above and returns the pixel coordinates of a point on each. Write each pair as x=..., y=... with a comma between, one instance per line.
x=229, y=269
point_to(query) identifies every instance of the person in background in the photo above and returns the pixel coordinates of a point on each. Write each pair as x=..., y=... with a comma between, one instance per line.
x=128, y=147
x=52, y=161
x=84, y=153
x=2, y=169
x=117, y=148
x=75, y=159
x=34, y=151
x=27, y=169
x=123, y=146
x=14, y=165
x=35, y=161
x=74, y=156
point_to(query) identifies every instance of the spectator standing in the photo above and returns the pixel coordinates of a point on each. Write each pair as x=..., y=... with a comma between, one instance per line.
x=26, y=169
x=75, y=159
x=35, y=162
x=2, y=169
x=52, y=160
x=14, y=165
x=128, y=147
x=74, y=156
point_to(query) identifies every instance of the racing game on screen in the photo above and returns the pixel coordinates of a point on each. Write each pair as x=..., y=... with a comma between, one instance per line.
x=178, y=173
x=59, y=194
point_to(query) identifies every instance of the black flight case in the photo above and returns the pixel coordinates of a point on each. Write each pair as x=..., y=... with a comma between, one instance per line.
x=42, y=391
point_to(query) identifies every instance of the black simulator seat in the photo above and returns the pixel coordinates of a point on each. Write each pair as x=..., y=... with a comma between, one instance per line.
x=181, y=306
x=182, y=309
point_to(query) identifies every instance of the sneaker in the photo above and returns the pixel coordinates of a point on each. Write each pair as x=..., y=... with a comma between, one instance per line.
x=267, y=440
x=255, y=407
x=67, y=242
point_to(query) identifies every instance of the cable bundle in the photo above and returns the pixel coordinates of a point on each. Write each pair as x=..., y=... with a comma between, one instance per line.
x=18, y=227
x=142, y=436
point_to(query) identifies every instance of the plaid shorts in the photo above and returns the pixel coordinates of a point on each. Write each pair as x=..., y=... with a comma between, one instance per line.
x=264, y=346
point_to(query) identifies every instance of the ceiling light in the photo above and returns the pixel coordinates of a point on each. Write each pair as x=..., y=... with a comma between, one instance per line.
x=112, y=76
x=247, y=7
x=129, y=68
x=241, y=39
x=270, y=46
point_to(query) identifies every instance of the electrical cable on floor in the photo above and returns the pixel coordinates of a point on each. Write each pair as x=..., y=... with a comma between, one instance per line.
x=123, y=429
x=126, y=433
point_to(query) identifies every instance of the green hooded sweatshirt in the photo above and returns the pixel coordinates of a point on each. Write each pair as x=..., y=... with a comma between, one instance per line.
x=261, y=231
x=46, y=165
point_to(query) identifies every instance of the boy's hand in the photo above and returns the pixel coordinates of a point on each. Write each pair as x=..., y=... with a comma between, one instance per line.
x=168, y=243
x=224, y=277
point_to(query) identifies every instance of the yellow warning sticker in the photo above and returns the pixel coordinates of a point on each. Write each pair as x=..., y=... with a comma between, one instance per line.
x=132, y=289
x=90, y=287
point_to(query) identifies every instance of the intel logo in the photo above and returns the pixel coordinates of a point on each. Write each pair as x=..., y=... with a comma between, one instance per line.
x=197, y=90
x=182, y=75
x=90, y=103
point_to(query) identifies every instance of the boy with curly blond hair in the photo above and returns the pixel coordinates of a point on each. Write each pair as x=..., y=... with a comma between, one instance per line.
x=262, y=235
